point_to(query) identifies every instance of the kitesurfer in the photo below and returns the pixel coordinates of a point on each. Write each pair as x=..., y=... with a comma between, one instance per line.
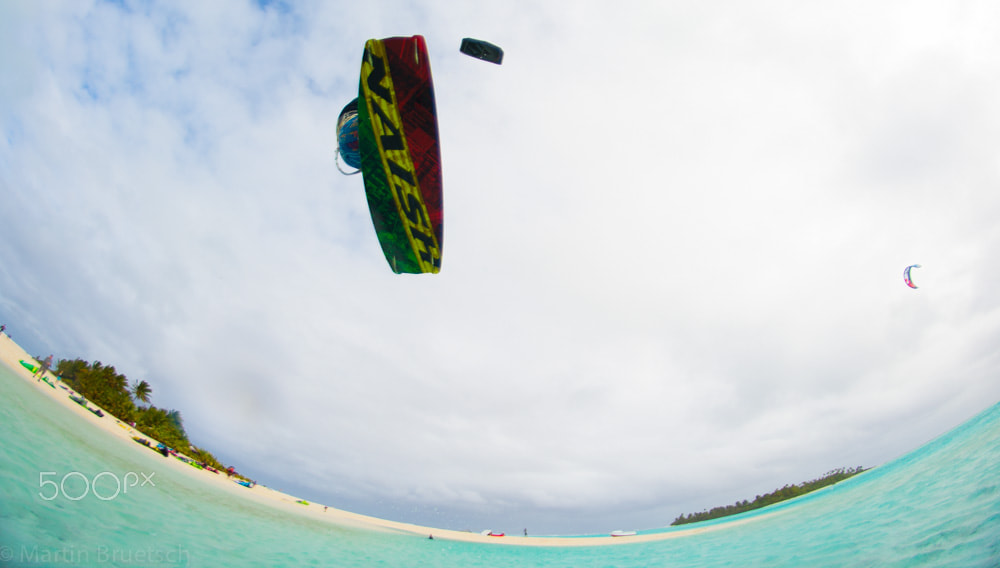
x=44, y=366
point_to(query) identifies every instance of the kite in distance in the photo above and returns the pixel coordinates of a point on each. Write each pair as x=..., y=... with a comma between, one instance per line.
x=482, y=50
x=906, y=276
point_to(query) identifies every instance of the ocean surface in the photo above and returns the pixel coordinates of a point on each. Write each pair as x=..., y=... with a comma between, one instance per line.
x=62, y=504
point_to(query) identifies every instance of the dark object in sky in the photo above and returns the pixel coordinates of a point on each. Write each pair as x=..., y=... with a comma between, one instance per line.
x=482, y=50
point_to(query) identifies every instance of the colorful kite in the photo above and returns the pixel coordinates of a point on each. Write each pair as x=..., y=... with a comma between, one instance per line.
x=348, y=143
x=398, y=151
x=906, y=276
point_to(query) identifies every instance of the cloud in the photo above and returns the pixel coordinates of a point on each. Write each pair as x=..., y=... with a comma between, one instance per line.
x=673, y=253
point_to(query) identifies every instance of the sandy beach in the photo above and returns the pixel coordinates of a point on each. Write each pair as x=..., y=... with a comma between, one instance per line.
x=11, y=354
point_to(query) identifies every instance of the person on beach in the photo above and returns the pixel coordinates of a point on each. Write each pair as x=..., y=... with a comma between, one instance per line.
x=45, y=365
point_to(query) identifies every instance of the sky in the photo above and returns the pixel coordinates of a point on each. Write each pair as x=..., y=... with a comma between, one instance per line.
x=672, y=267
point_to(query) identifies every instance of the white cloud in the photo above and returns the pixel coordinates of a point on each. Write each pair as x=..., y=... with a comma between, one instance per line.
x=673, y=251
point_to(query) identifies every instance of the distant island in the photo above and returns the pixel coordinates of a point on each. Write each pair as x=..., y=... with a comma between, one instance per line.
x=130, y=403
x=778, y=495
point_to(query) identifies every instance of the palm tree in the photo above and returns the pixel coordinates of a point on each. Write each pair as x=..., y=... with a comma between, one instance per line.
x=141, y=391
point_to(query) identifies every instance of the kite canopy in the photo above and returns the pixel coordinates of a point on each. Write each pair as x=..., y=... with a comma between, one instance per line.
x=348, y=142
x=400, y=152
x=906, y=276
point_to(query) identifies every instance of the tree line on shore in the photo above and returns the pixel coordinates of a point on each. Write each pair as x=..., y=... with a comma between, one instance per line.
x=130, y=403
x=776, y=496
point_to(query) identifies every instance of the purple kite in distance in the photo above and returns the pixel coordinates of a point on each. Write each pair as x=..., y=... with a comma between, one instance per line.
x=906, y=276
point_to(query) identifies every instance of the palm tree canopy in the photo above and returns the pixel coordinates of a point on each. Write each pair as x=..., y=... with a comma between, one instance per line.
x=141, y=391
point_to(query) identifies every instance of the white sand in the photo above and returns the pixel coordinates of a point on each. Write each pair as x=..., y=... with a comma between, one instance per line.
x=11, y=354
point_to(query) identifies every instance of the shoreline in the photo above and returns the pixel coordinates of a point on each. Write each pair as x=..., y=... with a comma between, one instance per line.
x=11, y=354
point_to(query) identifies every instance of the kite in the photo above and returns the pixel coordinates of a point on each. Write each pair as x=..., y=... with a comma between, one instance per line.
x=398, y=151
x=482, y=50
x=906, y=276
x=348, y=143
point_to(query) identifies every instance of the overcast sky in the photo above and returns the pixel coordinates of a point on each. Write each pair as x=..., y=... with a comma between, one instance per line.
x=674, y=241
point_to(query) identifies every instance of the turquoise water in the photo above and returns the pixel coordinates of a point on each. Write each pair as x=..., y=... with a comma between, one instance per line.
x=937, y=506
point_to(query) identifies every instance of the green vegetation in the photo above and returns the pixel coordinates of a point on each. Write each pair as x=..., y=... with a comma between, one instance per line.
x=141, y=391
x=110, y=390
x=778, y=495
